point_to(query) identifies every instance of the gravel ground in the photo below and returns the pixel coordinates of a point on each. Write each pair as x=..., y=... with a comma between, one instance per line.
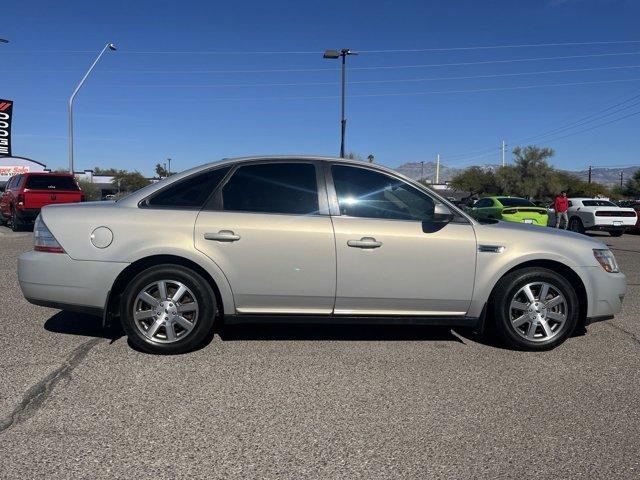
x=314, y=402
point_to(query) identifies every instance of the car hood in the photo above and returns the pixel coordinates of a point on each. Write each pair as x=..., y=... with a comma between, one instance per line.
x=529, y=240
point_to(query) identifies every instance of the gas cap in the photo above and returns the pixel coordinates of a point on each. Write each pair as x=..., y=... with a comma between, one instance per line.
x=101, y=237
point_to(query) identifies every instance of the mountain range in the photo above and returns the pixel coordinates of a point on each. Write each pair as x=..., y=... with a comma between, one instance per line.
x=604, y=175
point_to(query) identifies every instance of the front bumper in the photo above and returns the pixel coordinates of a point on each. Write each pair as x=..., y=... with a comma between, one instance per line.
x=605, y=292
x=56, y=280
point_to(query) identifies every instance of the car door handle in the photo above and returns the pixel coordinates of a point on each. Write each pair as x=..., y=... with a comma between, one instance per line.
x=365, y=242
x=222, y=236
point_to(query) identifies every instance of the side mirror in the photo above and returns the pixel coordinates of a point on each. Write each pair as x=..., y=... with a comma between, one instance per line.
x=442, y=215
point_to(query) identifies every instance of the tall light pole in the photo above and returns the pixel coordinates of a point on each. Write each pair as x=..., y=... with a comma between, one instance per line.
x=504, y=147
x=108, y=46
x=334, y=54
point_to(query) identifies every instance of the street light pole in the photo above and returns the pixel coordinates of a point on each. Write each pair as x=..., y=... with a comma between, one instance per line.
x=109, y=46
x=334, y=54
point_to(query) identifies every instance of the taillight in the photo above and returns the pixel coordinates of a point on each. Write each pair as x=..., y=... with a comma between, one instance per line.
x=20, y=200
x=43, y=239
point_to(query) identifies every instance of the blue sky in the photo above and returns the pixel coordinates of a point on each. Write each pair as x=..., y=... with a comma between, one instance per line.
x=174, y=90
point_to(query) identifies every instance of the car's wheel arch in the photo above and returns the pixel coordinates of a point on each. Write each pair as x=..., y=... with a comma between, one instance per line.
x=561, y=269
x=219, y=284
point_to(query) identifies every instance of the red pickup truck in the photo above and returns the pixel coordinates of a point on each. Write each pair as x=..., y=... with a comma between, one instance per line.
x=25, y=194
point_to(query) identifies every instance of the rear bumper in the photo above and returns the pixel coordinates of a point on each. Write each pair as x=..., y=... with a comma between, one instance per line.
x=29, y=214
x=56, y=280
x=608, y=225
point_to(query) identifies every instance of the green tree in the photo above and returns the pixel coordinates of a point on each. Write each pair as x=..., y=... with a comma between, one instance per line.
x=91, y=191
x=535, y=175
x=161, y=171
x=632, y=187
x=129, y=181
x=106, y=171
x=476, y=181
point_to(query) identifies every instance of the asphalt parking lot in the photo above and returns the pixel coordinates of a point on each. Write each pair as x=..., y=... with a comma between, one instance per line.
x=292, y=401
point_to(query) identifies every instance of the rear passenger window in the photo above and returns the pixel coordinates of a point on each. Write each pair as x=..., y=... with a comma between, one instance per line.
x=191, y=192
x=288, y=188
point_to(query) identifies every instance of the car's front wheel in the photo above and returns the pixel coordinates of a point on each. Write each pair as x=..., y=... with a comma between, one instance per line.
x=168, y=309
x=534, y=309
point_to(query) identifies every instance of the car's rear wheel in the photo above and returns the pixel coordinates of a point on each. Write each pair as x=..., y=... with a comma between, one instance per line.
x=16, y=222
x=616, y=233
x=534, y=309
x=168, y=309
x=575, y=225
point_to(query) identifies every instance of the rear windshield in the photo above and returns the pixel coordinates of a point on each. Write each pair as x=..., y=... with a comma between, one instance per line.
x=51, y=182
x=598, y=203
x=515, y=202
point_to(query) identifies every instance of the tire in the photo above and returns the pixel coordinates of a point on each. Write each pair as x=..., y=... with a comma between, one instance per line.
x=575, y=225
x=616, y=233
x=520, y=327
x=159, y=330
x=16, y=223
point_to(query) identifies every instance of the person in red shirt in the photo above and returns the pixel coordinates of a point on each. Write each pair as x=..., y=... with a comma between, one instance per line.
x=561, y=205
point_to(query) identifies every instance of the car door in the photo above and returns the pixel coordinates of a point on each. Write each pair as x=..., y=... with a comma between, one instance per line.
x=269, y=230
x=392, y=258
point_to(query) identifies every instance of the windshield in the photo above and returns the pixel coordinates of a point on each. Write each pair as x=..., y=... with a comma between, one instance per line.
x=598, y=203
x=51, y=182
x=515, y=202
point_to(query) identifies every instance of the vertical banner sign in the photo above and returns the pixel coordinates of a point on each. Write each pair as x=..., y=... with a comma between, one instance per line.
x=6, y=112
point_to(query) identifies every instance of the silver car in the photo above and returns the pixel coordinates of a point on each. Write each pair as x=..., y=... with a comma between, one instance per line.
x=311, y=239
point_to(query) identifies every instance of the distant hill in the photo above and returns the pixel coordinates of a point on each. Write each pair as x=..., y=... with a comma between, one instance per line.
x=606, y=176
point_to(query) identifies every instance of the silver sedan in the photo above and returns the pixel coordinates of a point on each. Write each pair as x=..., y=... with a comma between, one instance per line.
x=311, y=239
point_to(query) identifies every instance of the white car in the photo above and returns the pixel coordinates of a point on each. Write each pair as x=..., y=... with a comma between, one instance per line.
x=597, y=214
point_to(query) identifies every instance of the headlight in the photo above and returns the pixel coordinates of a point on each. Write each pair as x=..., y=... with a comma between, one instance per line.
x=606, y=259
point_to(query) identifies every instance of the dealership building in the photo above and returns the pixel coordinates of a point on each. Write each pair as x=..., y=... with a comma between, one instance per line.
x=10, y=166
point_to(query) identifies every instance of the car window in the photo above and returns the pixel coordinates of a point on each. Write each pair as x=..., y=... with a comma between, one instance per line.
x=484, y=203
x=366, y=193
x=191, y=192
x=515, y=202
x=51, y=182
x=289, y=188
x=598, y=203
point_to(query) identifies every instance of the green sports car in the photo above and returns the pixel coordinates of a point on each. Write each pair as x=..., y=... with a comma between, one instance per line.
x=511, y=209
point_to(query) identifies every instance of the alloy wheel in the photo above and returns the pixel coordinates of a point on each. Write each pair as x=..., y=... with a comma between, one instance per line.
x=538, y=311
x=165, y=311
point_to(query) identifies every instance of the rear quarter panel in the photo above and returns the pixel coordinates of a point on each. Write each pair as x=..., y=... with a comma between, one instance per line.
x=137, y=233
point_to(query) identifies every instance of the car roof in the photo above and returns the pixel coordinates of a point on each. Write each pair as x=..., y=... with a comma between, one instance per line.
x=134, y=198
x=138, y=195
